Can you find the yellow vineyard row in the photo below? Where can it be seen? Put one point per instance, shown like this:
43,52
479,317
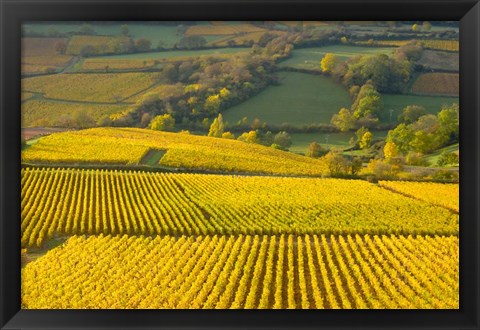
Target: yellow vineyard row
286,271
443,194
70,202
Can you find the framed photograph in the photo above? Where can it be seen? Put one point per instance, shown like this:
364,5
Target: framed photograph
242,164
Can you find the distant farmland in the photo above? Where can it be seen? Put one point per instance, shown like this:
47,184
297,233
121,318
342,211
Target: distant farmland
40,56
440,60
37,113
90,87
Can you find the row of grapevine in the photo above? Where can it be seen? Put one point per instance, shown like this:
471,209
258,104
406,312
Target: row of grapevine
285,271
435,44
442,194
69,202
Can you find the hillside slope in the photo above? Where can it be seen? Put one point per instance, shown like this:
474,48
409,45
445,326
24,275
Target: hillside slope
128,146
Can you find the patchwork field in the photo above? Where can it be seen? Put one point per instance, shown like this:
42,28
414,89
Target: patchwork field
311,271
37,113
309,58
300,99
437,83
54,201
159,33
100,44
90,87
123,146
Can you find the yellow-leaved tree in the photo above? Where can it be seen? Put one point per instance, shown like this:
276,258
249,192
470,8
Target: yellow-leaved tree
328,62
217,128
390,150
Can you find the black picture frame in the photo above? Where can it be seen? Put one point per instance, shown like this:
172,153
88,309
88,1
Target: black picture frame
14,12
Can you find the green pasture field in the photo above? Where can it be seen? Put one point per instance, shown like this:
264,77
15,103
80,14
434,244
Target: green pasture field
396,103
300,141
300,99
309,58
433,157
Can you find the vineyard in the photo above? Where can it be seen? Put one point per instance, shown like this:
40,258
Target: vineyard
285,271
26,96
435,44
54,61
90,87
163,91
442,194
127,146
392,43
121,211
437,83
35,69
223,29
93,202
450,45
117,64
41,113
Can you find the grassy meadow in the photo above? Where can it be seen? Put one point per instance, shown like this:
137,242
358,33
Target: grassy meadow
396,102
309,58
297,100
336,140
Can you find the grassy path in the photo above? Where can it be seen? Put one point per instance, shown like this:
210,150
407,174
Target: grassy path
152,157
